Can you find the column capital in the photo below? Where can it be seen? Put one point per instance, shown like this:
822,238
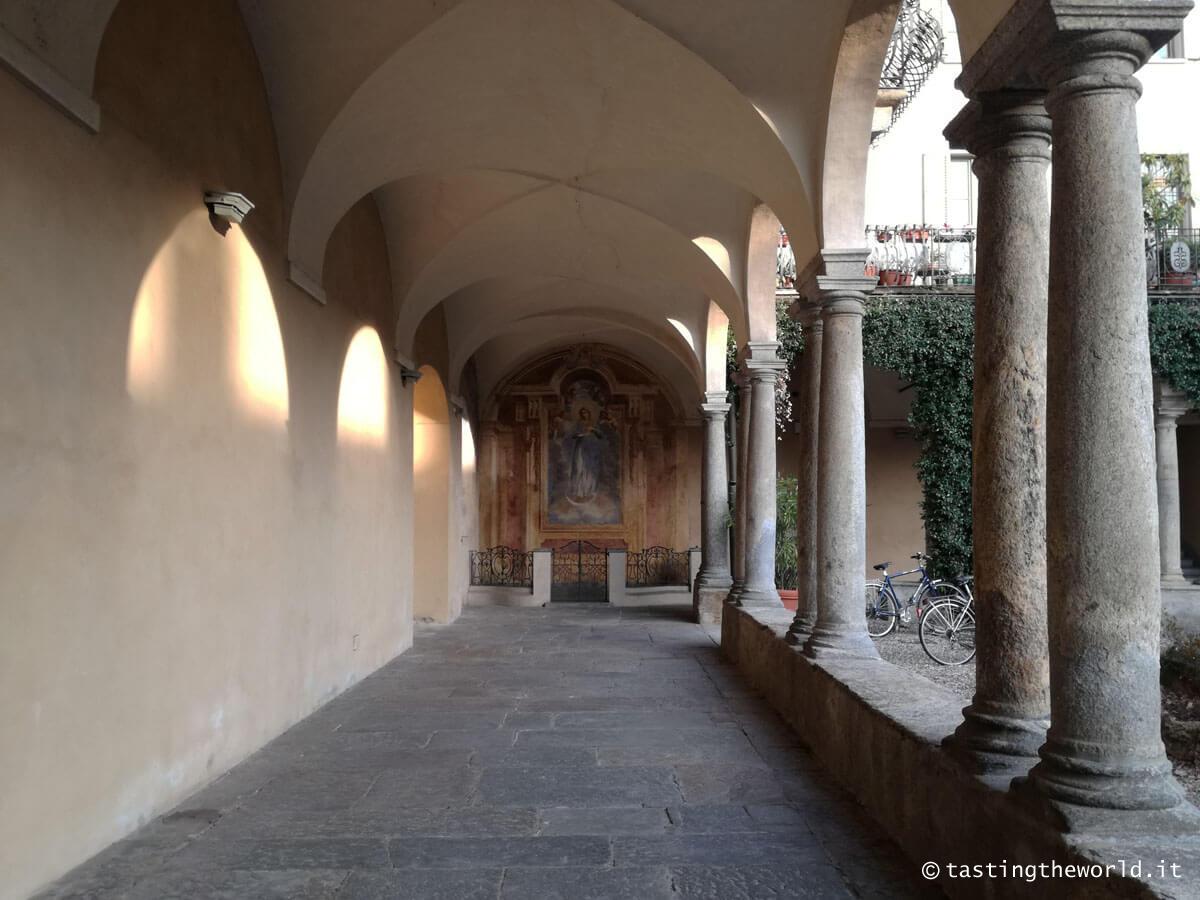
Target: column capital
1013,124
715,405
1036,35
762,360
1169,402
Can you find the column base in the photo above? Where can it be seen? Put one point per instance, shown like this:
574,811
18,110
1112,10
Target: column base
993,741
800,631
759,597
1067,774
841,643
708,600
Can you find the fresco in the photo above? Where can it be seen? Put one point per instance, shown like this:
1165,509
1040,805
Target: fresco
583,459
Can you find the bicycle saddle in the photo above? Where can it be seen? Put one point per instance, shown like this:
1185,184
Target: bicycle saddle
882,567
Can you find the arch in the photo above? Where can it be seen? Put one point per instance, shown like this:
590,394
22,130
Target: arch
760,275
562,233
848,135
716,344
684,115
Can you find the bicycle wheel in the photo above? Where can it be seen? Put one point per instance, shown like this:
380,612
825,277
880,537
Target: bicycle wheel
947,632
934,591
882,614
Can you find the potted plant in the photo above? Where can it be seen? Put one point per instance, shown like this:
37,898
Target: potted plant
786,557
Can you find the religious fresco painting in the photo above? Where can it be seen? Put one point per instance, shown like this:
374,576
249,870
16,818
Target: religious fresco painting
583,458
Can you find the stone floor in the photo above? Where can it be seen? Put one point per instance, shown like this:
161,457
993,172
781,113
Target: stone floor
574,751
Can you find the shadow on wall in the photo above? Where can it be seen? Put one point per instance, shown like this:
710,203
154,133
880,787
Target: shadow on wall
222,309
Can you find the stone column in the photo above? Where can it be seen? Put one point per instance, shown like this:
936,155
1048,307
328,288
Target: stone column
740,491
1169,405
1103,748
807,411
713,581
1009,133
841,628
764,366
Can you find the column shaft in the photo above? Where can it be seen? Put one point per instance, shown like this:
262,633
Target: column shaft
713,580
841,627
1103,747
807,414
739,509
1010,135
1169,406
760,588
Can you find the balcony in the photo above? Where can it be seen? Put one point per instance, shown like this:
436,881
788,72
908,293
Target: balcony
1172,259
922,256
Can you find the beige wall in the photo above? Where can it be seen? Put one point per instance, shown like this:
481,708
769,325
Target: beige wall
894,527
203,534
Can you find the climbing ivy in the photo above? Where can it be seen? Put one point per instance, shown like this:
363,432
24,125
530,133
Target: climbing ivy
1175,343
928,340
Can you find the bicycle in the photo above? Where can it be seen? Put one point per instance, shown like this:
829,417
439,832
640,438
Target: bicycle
947,629
885,610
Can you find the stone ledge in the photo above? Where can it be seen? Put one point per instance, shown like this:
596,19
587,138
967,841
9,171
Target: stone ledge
878,729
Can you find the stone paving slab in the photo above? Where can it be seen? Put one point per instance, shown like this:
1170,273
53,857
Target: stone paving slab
583,752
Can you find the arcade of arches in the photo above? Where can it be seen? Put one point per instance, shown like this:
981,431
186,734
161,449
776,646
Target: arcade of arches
483,297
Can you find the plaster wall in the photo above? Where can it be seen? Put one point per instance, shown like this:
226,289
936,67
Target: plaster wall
894,527
199,544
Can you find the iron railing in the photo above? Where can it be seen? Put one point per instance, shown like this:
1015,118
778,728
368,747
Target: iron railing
921,256
657,567
1172,258
501,567
913,53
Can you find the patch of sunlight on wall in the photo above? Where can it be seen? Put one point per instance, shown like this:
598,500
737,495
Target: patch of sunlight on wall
468,448
363,395
150,332
685,331
259,371
429,412
715,251
202,297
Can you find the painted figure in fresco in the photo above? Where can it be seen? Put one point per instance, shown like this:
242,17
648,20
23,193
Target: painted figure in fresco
586,441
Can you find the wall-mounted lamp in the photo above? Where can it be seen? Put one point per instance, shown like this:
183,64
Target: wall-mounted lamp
226,208
407,375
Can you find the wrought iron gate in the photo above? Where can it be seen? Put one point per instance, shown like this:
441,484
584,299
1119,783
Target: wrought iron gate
580,573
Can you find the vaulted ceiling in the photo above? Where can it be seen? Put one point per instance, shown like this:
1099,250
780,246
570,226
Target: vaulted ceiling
550,168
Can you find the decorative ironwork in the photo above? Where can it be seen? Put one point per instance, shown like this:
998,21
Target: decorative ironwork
501,567
657,567
579,573
1172,258
921,256
913,53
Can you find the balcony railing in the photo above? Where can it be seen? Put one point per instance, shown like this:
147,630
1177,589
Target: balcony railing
921,256
657,567
501,567
1172,258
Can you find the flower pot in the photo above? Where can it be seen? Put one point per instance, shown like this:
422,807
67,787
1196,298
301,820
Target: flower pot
789,598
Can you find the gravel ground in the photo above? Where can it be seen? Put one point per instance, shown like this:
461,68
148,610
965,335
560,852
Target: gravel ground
1181,704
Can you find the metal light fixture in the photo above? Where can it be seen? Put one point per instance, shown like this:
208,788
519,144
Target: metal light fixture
226,208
